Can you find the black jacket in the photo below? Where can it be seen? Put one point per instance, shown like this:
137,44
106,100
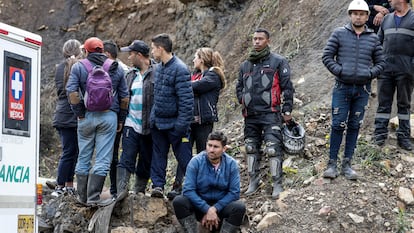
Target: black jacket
261,84
63,116
352,58
398,44
206,93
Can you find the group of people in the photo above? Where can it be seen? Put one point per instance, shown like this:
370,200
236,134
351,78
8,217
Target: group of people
356,54
158,104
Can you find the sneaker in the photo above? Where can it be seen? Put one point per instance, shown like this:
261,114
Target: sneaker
70,190
173,193
58,191
157,192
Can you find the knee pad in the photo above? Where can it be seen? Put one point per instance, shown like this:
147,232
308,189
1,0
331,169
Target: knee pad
271,149
251,147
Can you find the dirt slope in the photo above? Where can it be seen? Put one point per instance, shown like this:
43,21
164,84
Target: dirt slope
299,30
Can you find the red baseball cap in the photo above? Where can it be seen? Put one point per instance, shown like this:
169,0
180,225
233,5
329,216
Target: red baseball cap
93,44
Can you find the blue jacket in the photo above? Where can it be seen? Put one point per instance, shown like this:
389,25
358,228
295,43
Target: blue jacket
204,185
79,74
352,58
173,97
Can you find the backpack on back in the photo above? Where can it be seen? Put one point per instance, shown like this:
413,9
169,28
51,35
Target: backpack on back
98,94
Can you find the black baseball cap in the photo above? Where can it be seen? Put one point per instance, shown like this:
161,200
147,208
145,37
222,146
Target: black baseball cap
137,46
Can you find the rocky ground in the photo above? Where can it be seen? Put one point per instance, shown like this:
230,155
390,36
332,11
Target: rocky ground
380,201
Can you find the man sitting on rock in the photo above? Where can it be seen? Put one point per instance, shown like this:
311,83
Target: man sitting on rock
211,190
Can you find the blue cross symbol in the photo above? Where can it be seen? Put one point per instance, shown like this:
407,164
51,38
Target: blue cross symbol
17,85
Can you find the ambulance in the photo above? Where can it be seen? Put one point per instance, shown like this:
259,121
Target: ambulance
20,195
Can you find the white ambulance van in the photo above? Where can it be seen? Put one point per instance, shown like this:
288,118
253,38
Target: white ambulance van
20,129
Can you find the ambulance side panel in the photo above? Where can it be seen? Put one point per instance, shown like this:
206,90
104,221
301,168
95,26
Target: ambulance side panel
19,132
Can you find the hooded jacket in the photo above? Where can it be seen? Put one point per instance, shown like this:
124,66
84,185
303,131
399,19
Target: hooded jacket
353,59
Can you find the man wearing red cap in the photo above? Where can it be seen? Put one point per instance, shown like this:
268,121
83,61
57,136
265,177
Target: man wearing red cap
96,129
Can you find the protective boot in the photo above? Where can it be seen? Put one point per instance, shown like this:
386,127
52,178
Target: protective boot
189,224
347,170
95,185
403,135
253,170
226,227
331,170
140,185
277,172
122,181
82,187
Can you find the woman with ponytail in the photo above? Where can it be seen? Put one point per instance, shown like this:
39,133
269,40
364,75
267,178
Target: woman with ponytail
65,121
207,82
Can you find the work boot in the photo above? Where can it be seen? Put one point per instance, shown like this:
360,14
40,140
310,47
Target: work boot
82,187
347,170
277,172
140,185
175,191
331,170
95,185
189,224
253,170
122,181
226,227
405,144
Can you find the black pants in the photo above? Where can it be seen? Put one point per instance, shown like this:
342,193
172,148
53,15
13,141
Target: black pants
233,212
114,163
264,128
387,85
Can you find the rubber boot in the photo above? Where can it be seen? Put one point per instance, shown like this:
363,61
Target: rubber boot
140,185
226,227
189,224
277,172
331,170
347,170
253,170
95,185
82,187
122,181
405,144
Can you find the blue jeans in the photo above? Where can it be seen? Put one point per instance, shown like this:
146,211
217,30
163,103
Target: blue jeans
348,108
67,162
133,144
162,140
96,132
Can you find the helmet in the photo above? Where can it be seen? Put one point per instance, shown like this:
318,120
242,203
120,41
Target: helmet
293,138
358,5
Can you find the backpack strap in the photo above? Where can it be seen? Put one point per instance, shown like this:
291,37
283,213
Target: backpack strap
88,65
107,64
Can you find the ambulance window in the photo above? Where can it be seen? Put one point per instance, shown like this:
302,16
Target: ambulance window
16,94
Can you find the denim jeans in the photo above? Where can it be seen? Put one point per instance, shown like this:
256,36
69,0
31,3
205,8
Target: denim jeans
348,108
96,132
162,140
67,162
133,144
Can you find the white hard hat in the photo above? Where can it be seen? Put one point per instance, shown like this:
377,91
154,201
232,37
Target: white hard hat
358,5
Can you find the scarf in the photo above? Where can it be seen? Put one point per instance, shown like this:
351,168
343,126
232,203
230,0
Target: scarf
257,55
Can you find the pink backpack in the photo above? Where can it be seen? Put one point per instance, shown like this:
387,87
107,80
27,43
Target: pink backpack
98,94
